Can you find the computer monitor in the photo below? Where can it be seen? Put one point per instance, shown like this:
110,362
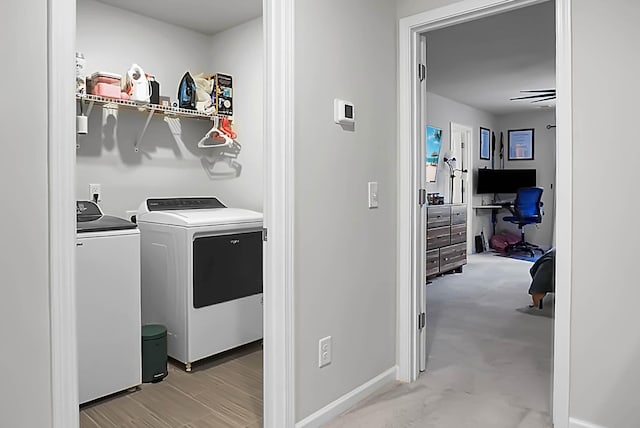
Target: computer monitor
504,180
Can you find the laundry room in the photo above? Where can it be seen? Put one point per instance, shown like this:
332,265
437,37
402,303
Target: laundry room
169,184
167,160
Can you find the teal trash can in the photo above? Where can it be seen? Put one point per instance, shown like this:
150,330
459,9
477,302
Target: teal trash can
154,353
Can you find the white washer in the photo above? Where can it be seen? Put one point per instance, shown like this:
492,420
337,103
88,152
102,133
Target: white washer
108,303
201,267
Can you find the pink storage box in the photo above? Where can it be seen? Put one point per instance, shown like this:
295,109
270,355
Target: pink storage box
108,90
104,84
105,77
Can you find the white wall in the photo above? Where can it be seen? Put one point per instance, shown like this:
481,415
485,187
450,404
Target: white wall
412,7
345,254
544,163
441,112
168,166
25,388
239,51
605,346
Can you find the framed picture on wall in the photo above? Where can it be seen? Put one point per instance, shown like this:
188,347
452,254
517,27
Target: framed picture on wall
433,142
520,144
485,143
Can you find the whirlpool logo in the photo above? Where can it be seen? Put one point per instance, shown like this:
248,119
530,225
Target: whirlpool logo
234,241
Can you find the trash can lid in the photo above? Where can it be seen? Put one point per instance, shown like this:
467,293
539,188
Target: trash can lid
153,331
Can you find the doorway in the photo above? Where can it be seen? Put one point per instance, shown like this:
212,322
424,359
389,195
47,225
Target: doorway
192,154
278,316
411,213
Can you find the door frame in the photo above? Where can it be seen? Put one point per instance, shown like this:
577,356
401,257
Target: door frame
278,19
408,213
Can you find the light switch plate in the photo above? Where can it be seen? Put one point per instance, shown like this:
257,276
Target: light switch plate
373,194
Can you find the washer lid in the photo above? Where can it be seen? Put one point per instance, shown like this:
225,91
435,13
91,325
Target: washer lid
204,217
193,211
89,218
103,224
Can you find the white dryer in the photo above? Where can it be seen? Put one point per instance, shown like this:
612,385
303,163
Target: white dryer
201,272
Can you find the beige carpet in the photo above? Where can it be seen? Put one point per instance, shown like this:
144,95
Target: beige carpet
489,364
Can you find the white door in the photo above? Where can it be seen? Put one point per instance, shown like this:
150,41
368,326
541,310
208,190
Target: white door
455,183
461,143
421,298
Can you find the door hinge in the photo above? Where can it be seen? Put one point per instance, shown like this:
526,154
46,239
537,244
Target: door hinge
264,234
422,72
422,196
422,320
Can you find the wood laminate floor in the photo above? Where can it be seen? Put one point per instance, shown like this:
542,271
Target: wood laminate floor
223,391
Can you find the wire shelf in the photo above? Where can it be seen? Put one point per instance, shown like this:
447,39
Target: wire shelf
154,108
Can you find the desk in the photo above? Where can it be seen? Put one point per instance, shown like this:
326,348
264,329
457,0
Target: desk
487,207
494,211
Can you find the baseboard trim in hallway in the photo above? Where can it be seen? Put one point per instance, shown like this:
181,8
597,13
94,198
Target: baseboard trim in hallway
578,423
347,401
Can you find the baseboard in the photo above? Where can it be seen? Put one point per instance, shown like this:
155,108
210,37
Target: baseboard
578,423
350,399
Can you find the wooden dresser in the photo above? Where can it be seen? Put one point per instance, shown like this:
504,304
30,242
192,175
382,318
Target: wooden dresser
446,238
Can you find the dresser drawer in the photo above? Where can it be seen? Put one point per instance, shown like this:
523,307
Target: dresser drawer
438,216
433,262
458,233
458,214
453,256
438,237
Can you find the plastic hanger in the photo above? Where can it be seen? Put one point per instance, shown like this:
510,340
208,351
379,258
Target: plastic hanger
228,142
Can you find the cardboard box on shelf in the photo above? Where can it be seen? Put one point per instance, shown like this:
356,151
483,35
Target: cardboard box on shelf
224,94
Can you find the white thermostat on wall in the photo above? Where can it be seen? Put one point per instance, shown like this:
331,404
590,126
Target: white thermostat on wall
343,112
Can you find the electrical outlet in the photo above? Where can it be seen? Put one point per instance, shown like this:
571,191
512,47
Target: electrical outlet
324,351
373,194
95,192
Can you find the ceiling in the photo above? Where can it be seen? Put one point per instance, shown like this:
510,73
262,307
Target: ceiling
204,16
486,62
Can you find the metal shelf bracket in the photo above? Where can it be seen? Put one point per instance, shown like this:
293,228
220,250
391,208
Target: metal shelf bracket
138,142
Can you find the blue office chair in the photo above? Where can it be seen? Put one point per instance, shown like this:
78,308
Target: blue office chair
526,209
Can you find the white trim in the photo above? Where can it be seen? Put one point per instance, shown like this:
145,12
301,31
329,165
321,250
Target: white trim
564,214
62,228
406,200
279,406
578,423
348,400
459,12
279,370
